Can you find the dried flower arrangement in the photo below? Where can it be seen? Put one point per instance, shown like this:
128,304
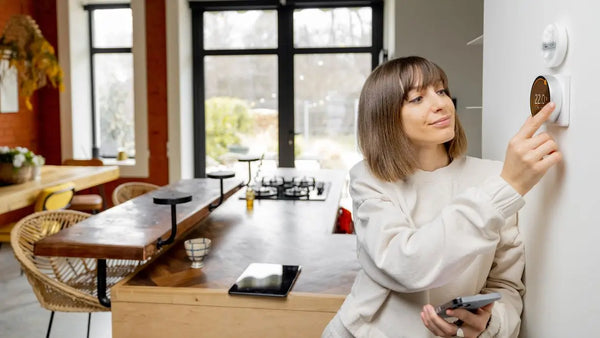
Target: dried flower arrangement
26,49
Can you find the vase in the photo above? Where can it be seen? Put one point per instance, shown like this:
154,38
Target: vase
12,175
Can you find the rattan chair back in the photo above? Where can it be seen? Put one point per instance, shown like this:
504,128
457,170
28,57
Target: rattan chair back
126,191
62,283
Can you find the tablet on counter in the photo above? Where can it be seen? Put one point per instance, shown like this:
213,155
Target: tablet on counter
265,279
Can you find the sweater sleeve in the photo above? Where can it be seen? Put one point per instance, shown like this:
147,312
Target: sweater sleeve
405,257
505,277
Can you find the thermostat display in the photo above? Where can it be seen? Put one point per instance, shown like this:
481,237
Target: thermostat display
546,88
540,94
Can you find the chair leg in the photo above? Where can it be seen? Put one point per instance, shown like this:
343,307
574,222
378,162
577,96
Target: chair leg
89,319
50,325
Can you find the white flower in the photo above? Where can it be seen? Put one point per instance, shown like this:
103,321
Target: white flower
18,160
4,149
38,160
22,150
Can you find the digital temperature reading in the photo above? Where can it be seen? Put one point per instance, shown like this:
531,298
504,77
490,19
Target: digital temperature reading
540,94
555,88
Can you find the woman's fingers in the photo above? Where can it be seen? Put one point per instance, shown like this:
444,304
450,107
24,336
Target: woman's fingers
533,123
545,149
436,324
539,139
473,322
526,155
550,160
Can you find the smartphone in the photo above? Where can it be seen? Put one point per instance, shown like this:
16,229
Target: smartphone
263,279
471,303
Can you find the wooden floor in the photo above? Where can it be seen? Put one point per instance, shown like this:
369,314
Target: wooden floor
22,316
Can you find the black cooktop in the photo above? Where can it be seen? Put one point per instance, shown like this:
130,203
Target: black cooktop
290,188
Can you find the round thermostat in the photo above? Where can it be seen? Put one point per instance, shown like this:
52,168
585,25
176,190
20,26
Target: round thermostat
545,88
554,45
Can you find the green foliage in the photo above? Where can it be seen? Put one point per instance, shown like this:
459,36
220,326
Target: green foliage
226,119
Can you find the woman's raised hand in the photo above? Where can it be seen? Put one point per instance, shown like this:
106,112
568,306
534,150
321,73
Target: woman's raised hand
529,156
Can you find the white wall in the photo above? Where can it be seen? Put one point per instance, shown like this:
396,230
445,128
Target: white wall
561,220
439,31
180,147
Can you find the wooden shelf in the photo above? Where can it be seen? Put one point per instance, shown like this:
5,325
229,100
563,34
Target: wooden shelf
477,41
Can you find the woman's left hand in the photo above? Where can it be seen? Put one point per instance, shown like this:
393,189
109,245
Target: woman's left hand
473,324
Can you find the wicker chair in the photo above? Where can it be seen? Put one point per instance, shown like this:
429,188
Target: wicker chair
126,191
62,283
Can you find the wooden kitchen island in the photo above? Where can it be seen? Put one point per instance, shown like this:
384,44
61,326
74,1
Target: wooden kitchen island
169,298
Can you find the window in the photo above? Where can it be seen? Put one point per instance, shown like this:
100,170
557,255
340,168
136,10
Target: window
79,134
111,64
282,81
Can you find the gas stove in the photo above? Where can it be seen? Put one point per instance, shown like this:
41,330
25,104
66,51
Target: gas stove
304,188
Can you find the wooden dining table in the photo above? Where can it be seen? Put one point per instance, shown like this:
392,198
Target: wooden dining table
16,196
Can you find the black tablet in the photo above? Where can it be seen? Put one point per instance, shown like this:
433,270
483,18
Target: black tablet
264,279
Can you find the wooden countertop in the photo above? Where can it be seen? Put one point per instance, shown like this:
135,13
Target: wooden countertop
18,196
131,230
276,231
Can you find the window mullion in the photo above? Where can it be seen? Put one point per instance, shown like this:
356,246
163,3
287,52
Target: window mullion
198,94
286,86
95,126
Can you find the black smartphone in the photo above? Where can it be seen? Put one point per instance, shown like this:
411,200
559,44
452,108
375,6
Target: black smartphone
471,303
265,279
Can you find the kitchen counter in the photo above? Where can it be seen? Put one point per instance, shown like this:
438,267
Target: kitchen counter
170,298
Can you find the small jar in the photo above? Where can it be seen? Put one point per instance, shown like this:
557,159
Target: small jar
249,198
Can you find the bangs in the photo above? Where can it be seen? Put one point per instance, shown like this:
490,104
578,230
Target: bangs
421,74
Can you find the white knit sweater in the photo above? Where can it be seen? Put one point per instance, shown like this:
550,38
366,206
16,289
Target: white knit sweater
432,237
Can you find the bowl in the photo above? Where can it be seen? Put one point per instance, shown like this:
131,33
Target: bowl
196,250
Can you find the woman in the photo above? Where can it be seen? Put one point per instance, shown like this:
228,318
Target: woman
431,223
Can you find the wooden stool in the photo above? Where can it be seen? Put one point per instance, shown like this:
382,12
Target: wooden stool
88,202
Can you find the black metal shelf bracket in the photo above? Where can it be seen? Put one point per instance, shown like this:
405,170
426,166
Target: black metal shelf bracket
249,159
221,175
171,198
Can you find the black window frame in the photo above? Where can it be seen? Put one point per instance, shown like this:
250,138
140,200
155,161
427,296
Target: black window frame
100,50
285,52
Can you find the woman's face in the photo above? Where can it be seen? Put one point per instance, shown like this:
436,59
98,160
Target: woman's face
428,116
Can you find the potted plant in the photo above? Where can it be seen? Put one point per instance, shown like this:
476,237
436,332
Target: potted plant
17,165
26,49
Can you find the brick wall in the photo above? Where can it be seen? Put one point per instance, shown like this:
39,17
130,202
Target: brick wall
39,130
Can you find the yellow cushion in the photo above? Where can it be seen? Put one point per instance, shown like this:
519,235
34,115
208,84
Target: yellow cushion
5,232
56,197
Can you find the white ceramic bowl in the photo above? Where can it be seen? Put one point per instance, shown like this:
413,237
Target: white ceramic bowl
196,249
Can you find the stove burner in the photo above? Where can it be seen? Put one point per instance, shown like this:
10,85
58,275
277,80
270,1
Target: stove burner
304,182
265,191
275,181
296,192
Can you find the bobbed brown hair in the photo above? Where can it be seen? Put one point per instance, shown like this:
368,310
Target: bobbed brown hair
388,152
